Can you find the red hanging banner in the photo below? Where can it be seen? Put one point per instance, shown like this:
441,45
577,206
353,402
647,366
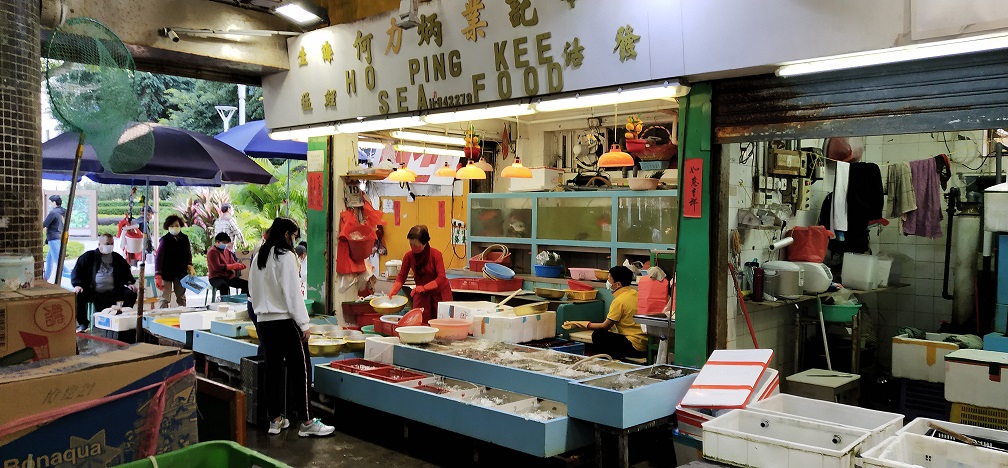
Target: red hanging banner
692,177
441,213
315,192
395,211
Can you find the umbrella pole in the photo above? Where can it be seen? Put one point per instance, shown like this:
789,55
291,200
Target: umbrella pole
288,189
142,283
65,237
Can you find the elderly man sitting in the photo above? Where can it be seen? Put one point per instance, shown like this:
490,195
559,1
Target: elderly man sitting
102,277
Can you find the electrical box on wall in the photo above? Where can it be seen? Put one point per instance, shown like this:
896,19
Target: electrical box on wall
786,162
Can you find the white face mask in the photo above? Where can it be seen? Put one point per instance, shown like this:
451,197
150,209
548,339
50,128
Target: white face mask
105,249
609,286
174,230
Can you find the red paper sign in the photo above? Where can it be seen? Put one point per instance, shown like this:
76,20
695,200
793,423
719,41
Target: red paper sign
315,197
693,187
395,211
441,213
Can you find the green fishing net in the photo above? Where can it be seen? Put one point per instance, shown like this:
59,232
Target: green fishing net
90,77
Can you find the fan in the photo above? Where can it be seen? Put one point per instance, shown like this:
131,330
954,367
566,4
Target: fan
90,81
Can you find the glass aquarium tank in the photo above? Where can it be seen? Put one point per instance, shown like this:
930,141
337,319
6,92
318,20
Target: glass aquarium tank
502,217
647,220
575,219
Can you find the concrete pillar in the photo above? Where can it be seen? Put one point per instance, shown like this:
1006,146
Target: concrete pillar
20,131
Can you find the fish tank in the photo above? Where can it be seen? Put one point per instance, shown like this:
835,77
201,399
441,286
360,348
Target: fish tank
647,220
575,219
501,217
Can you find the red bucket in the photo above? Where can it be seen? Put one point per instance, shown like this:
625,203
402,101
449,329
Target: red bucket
361,240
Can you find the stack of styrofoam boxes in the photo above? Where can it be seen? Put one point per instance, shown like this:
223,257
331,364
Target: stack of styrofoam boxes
921,366
976,383
919,444
471,310
510,328
730,379
199,320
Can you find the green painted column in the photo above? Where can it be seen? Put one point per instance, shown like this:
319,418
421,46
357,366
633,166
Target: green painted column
693,245
319,170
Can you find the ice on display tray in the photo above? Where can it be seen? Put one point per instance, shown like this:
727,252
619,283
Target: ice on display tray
630,398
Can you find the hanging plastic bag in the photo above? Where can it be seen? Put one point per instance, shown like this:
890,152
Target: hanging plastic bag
810,244
652,295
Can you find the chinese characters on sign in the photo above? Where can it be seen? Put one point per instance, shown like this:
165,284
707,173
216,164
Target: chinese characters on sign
302,57
330,98
430,28
305,101
394,38
693,185
626,43
327,52
363,46
518,13
573,54
315,197
475,27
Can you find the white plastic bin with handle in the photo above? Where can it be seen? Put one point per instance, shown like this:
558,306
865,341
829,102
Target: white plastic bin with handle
880,424
918,451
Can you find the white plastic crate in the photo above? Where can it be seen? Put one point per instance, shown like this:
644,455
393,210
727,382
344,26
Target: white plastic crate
977,377
108,320
921,426
879,423
917,359
380,348
918,451
760,440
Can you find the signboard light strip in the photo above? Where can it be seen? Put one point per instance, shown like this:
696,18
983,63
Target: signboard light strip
497,112
376,125
428,138
621,96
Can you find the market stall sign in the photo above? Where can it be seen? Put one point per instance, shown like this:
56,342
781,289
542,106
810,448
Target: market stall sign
471,52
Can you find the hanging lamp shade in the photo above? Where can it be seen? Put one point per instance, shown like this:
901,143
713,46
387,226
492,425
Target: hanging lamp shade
402,175
470,171
615,157
446,171
517,171
483,165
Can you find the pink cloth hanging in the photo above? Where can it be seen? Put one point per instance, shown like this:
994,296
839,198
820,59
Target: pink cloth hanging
925,221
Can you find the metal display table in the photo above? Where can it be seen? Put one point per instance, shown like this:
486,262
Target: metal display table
231,350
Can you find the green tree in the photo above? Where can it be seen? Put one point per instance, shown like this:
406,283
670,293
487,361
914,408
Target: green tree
271,200
194,109
151,92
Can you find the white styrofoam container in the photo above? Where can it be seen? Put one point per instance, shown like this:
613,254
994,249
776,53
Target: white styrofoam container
729,379
921,359
543,178
908,450
995,208
759,440
467,310
107,320
977,377
921,426
510,328
198,320
380,348
880,424
858,271
690,420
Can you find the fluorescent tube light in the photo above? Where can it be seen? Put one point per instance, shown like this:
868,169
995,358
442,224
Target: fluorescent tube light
479,114
667,91
303,12
428,150
382,124
896,54
302,134
428,138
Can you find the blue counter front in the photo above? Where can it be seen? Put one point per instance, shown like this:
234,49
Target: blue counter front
233,349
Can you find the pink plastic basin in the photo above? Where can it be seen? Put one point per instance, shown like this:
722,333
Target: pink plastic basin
450,328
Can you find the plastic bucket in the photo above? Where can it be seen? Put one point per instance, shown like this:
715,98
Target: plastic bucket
133,240
361,240
16,272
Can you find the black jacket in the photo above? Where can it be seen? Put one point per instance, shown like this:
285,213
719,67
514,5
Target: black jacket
174,255
53,223
86,269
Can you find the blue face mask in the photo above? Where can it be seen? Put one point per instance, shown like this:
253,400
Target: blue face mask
222,246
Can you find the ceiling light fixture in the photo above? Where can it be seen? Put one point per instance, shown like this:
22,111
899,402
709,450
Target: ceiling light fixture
428,138
483,165
668,90
381,124
516,170
402,175
429,150
895,54
470,172
479,114
303,12
303,134
615,157
446,171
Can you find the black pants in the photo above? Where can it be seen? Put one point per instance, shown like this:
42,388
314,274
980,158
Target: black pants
102,301
288,370
614,344
223,286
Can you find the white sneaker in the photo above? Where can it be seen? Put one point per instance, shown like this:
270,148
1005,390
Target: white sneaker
277,425
315,428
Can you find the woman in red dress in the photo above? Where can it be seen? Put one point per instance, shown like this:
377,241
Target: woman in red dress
428,272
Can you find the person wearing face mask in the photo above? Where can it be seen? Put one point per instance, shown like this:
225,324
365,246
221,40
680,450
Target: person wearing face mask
618,336
53,225
432,285
172,262
226,223
282,319
223,267
102,277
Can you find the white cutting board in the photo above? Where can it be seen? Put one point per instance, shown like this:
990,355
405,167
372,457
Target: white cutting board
727,379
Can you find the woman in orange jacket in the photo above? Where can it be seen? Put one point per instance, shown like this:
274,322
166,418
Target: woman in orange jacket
428,268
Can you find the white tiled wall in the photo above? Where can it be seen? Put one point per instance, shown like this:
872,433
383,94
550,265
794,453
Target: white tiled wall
920,305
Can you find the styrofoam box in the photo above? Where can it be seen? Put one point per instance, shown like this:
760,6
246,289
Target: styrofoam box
977,377
760,440
690,420
509,328
543,178
107,321
198,320
858,271
466,310
380,348
921,359
918,451
879,423
995,208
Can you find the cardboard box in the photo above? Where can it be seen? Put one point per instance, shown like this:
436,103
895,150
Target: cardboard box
37,323
94,410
